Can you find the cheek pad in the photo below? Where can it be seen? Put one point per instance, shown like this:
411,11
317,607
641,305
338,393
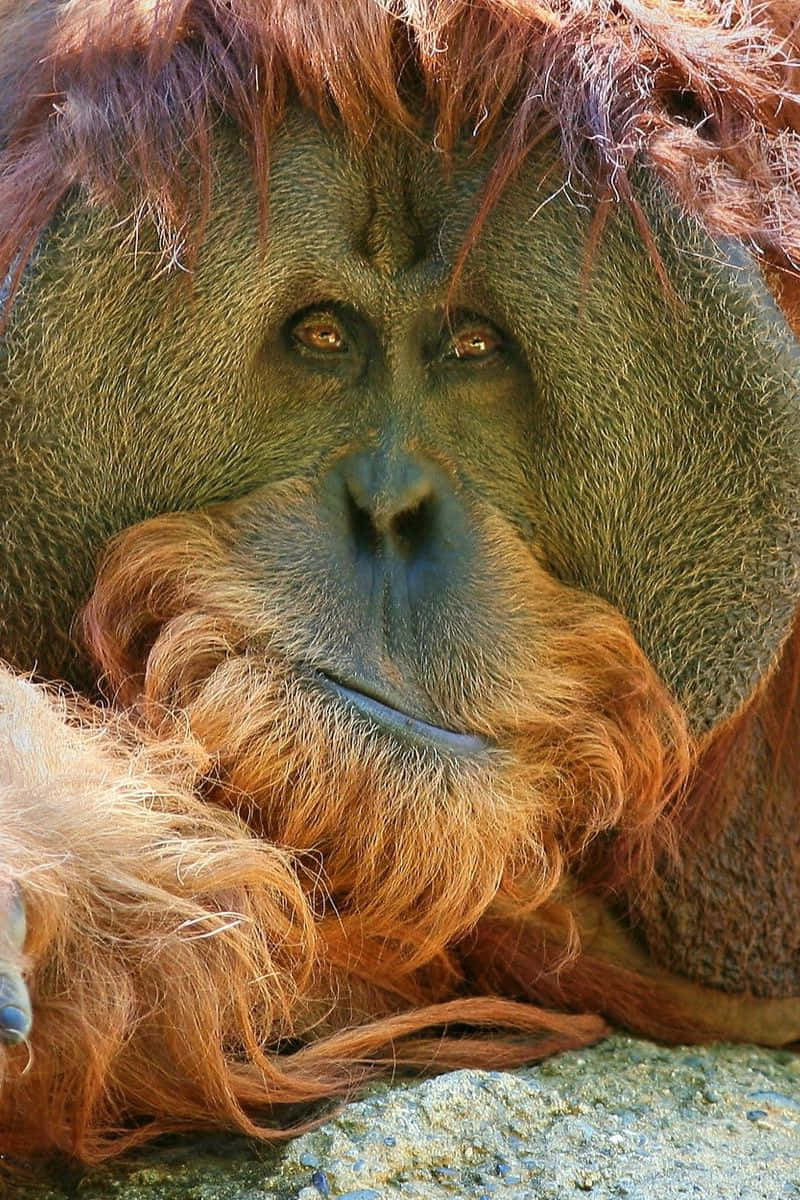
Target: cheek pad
664,453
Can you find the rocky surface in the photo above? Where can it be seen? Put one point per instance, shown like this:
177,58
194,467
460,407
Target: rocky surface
626,1119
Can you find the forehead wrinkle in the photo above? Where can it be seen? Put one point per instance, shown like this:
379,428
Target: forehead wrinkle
392,239
364,231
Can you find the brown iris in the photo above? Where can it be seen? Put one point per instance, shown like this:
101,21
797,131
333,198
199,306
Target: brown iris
321,333
475,342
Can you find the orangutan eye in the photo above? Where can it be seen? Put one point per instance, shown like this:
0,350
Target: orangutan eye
321,333
474,342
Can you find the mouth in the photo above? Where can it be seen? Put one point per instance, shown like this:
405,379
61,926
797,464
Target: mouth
403,725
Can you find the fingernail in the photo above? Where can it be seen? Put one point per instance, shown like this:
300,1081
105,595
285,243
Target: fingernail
15,1025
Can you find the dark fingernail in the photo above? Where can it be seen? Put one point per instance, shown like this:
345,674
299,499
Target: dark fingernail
14,1024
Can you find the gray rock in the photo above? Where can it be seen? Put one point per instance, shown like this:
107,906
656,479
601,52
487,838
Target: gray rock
626,1120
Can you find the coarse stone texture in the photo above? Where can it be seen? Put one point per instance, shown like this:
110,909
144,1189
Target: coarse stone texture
626,1119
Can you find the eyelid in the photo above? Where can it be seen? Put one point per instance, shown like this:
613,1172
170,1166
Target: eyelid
317,315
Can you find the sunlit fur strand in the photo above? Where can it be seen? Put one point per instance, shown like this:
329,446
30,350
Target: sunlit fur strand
128,879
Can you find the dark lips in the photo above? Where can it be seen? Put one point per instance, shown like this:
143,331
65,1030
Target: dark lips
411,730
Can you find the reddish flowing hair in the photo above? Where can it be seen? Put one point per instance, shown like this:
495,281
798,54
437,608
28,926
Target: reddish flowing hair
118,98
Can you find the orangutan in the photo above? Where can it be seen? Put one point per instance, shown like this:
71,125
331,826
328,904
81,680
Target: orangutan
401,457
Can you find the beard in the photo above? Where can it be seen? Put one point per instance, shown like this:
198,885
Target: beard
266,895
399,847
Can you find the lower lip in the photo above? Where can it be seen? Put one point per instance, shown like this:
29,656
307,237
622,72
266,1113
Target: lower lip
409,729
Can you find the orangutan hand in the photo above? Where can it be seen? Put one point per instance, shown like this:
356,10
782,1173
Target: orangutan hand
16,1017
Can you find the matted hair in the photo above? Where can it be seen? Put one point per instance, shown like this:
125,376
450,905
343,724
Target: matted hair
119,98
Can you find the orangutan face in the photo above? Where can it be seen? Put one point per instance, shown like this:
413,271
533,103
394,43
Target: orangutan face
621,442
459,548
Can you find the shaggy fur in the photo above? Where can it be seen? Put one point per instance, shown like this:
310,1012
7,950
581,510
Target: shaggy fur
119,98
192,950
236,902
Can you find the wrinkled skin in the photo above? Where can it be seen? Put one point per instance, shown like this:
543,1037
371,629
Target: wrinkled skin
644,446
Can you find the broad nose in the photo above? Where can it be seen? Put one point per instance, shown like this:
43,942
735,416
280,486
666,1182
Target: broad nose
401,543
391,502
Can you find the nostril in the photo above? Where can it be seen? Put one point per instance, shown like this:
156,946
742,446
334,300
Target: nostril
363,530
411,527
